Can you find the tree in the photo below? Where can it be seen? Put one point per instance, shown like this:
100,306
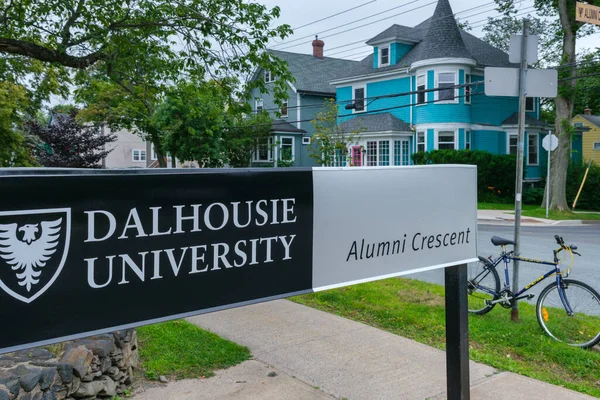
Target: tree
68,143
247,135
565,31
330,143
15,150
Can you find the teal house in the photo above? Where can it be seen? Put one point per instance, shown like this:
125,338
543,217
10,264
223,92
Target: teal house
409,96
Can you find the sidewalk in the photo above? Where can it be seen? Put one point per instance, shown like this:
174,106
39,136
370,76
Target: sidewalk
507,217
306,354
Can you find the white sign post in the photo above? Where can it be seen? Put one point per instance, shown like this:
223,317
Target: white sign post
550,143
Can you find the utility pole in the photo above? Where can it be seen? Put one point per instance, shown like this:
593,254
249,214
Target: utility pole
514,314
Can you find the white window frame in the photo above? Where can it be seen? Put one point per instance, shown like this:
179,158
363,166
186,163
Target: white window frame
437,137
269,76
280,147
469,88
578,124
417,88
139,153
437,86
424,133
389,54
306,140
255,156
354,89
286,102
508,136
256,104
596,146
468,139
537,149
533,102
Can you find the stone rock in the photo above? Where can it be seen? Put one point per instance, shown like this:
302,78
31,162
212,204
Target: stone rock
6,363
134,360
48,378
74,386
101,346
10,382
272,374
102,387
51,395
80,358
91,376
110,387
105,364
65,371
4,393
28,377
112,371
163,379
32,354
36,394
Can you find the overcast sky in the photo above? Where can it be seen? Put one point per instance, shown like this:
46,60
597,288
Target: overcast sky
411,12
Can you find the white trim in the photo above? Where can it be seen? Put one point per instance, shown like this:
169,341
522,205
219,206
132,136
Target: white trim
436,138
508,135
271,76
262,105
269,152
478,127
306,140
368,77
468,87
441,61
298,112
391,39
594,146
280,146
424,132
436,74
537,149
287,109
416,103
445,126
470,141
292,86
354,88
534,107
380,64
133,151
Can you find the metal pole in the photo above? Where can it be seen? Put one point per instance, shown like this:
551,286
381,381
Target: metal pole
582,183
514,315
457,333
548,179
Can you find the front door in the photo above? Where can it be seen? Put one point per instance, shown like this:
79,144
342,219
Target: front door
401,152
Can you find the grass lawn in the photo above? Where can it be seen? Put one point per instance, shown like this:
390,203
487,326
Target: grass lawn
415,310
182,350
559,215
502,206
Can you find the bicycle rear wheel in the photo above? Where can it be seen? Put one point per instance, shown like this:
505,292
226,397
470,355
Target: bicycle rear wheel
582,328
483,279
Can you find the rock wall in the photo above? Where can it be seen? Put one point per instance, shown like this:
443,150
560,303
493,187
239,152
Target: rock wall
93,368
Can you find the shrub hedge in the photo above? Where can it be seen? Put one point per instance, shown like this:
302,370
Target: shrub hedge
495,172
589,199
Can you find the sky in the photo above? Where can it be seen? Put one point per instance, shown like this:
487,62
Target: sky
411,12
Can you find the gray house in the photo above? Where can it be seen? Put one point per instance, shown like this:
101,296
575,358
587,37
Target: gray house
306,97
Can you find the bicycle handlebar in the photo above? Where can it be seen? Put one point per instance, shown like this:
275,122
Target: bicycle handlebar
559,240
561,243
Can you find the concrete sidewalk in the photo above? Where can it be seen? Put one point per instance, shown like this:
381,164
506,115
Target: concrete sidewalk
316,355
507,217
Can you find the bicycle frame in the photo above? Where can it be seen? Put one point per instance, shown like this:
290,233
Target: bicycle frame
507,256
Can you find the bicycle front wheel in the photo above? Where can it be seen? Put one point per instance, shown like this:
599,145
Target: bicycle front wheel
483,286
582,327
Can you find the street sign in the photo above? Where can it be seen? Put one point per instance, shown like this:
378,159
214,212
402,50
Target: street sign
514,51
505,82
587,13
550,142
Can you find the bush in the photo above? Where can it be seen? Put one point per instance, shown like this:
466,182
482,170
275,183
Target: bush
534,196
589,199
495,172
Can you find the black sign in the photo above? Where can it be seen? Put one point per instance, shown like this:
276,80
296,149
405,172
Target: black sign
80,254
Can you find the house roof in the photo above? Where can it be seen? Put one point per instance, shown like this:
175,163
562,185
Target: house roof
280,125
594,119
383,122
313,74
529,121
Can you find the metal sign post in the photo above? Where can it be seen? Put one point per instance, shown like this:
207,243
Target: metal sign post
550,143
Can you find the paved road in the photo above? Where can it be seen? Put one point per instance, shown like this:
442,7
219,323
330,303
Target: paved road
538,242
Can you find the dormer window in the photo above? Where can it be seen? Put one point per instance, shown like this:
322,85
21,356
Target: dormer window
384,56
269,77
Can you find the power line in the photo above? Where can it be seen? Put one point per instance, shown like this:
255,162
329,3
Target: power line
333,15
580,76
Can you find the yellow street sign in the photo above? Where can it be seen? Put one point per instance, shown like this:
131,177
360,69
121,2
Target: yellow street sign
587,13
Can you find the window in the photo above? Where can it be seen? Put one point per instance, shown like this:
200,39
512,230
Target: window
263,152
384,56
529,104
532,149
420,141
467,89
371,154
138,155
359,99
384,152
284,109
269,77
596,146
446,80
286,149
258,105
340,158
357,156
512,144
401,152
306,140
446,140
421,83
578,124
467,140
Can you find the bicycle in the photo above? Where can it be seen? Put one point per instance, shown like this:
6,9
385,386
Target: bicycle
568,310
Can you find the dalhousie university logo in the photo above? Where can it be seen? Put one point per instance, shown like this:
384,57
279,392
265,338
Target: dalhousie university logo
33,250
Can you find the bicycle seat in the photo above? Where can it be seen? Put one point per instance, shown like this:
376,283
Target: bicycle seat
498,241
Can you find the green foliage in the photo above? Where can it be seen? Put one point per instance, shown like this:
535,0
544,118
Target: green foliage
329,145
15,149
588,88
242,139
495,172
183,350
533,196
589,199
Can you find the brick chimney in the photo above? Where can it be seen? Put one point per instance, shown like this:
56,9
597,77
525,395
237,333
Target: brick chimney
318,47
587,111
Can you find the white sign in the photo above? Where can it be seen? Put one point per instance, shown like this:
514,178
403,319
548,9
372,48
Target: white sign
550,142
373,223
505,82
514,52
